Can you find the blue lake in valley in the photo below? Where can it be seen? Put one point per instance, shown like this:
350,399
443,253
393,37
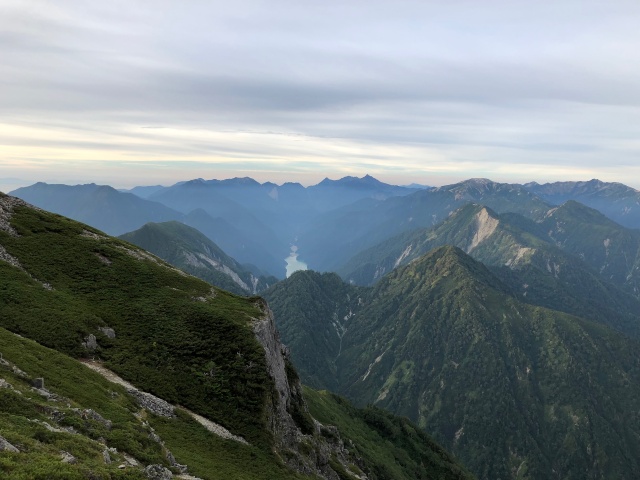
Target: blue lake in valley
293,263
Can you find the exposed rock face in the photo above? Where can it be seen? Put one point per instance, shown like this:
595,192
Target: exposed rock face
92,414
158,472
7,204
5,446
281,422
287,433
108,331
485,226
152,403
90,342
68,458
10,259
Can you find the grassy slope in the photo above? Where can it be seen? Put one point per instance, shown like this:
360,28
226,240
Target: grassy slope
394,447
208,456
167,338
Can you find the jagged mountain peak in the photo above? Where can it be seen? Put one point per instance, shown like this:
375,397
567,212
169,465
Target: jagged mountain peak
193,181
479,181
479,185
582,187
447,267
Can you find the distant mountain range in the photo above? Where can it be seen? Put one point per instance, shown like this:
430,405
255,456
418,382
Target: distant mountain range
574,260
615,200
329,222
100,206
254,223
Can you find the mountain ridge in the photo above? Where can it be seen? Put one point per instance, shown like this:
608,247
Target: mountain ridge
191,251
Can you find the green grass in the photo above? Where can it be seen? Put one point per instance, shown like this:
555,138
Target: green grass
207,455
213,458
78,388
392,447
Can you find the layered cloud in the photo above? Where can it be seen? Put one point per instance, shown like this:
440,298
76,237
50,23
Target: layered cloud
433,91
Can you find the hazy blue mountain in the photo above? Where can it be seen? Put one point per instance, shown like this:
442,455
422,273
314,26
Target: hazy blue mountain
515,390
339,235
100,206
289,197
204,195
191,251
144,191
615,200
277,215
245,248
331,194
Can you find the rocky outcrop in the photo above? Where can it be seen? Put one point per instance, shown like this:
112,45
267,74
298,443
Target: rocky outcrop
301,441
5,446
90,342
66,457
10,259
7,205
108,331
152,403
281,423
158,472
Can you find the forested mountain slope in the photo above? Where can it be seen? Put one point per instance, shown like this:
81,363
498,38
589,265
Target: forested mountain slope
555,262
515,390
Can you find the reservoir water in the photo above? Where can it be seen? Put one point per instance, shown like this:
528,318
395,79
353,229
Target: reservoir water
293,264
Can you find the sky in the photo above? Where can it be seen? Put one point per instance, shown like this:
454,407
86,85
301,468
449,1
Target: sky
154,92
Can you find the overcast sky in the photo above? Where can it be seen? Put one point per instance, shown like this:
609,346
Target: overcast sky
145,92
